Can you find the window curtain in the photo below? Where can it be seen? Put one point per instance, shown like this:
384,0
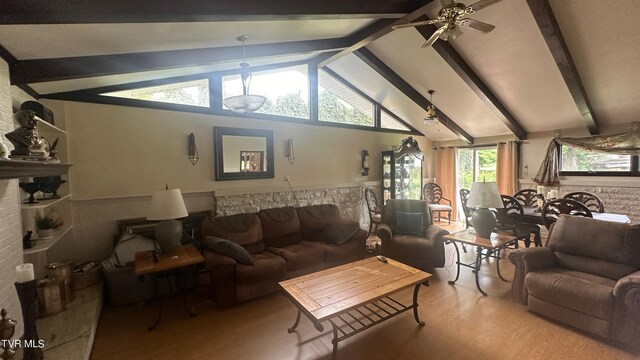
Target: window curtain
624,144
445,174
506,168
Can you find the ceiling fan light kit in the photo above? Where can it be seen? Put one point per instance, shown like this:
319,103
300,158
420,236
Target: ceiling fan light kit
245,103
453,16
432,117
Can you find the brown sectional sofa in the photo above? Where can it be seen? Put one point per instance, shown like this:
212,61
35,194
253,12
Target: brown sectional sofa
588,276
283,242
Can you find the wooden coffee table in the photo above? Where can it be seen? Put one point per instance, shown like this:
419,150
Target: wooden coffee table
167,265
355,296
485,248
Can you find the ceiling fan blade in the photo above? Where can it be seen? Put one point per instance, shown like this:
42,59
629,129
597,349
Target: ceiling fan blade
419,23
475,7
477,25
434,37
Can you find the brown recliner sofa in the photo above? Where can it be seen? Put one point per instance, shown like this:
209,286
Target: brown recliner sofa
283,242
424,250
588,276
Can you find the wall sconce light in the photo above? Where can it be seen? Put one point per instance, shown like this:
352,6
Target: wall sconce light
193,150
364,163
289,152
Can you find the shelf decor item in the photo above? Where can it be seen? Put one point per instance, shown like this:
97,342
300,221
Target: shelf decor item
49,185
30,188
46,224
7,329
28,297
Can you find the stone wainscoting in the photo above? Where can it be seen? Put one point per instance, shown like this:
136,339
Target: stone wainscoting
621,197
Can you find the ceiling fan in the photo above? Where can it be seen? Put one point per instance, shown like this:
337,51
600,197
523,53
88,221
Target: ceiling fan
454,16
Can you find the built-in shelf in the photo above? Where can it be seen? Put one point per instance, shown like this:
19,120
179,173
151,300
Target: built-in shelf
46,126
46,244
11,169
44,203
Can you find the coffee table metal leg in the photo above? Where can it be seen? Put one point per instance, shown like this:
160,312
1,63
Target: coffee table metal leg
295,324
457,263
334,341
477,270
159,299
415,305
498,265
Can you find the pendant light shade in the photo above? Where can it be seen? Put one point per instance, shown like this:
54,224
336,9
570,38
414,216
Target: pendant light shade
431,118
245,103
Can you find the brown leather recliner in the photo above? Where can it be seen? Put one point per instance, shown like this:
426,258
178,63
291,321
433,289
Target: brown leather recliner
423,251
587,277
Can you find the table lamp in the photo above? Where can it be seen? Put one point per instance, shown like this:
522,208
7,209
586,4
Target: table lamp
483,196
167,205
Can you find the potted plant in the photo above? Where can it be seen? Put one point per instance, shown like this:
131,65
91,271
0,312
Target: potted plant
46,224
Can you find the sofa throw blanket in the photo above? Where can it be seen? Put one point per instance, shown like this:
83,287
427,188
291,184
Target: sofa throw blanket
338,233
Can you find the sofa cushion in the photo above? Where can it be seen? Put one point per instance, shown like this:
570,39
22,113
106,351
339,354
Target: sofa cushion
242,229
268,267
301,255
351,250
598,239
607,269
315,218
338,232
575,290
410,223
230,249
411,206
280,226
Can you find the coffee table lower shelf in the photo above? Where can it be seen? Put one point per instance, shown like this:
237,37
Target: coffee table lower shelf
365,317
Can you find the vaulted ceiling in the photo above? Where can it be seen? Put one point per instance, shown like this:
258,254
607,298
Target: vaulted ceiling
549,64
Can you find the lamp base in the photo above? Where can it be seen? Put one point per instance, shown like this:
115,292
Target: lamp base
484,221
168,235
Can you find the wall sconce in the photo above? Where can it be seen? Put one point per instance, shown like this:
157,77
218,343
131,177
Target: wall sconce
364,163
193,150
289,152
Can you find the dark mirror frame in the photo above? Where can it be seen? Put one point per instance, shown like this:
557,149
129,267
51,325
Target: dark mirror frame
220,175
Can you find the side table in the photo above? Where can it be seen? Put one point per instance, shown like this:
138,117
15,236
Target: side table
166,265
492,248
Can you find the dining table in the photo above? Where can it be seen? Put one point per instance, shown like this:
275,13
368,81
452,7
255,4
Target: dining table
533,215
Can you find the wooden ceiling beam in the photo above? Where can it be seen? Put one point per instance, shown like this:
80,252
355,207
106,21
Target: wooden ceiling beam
147,11
43,70
409,91
543,14
457,63
377,30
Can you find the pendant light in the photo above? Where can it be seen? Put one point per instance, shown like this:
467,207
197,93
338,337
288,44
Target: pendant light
245,103
431,118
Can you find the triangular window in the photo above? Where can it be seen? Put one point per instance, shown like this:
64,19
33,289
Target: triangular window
193,93
388,121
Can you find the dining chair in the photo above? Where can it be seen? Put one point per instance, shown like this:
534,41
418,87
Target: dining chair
509,219
528,197
554,208
468,212
591,201
374,208
432,194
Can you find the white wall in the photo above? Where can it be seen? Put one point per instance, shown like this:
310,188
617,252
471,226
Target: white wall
120,155
10,222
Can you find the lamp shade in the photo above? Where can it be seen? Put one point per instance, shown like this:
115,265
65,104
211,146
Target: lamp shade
167,204
244,104
485,195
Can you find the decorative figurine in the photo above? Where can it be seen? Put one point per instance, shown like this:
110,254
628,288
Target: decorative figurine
26,240
26,142
30,188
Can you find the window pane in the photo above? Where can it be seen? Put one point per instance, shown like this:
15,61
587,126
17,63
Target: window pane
194,93
389,122
464,168
286,90
486,160
337,103
576,159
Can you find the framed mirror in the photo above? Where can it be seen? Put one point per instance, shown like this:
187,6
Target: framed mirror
242,153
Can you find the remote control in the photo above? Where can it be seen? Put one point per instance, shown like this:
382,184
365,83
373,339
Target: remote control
382,258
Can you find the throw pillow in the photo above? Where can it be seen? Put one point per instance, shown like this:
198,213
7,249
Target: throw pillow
338,233
408,223
230,249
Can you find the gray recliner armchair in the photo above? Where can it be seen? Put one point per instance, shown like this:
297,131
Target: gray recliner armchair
587,277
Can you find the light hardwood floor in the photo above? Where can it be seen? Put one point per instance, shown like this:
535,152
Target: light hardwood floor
460,324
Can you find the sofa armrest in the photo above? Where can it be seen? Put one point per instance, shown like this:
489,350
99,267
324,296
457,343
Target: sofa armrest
527,260
223,276
384,233
626,312
436,233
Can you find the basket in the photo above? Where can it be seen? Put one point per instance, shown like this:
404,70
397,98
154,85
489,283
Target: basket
85,279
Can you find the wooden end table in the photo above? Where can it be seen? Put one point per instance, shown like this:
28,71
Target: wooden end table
167,265
485,248
355,296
